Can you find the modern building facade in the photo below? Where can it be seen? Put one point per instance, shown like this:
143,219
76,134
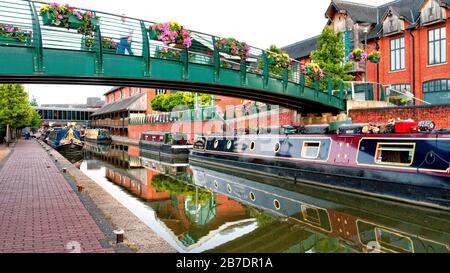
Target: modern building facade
57,116
412,36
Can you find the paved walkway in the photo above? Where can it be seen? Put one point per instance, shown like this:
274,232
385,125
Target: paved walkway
39,211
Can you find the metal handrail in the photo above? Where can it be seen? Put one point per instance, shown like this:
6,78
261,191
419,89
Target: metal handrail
60,38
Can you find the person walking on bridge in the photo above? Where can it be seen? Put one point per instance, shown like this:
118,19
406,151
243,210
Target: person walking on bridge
126,38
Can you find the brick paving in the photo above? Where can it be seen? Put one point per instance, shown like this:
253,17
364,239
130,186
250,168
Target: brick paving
39,211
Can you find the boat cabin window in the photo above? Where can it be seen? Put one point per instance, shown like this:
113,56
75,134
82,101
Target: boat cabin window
395,153
393,241
311,149
310,214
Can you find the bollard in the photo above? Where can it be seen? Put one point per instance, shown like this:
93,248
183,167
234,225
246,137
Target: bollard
56,160
64,170
119,236
80,188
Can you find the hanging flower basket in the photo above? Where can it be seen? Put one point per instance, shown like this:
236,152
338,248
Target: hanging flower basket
233,47
312,71
10,34
357,55
170,33
375,56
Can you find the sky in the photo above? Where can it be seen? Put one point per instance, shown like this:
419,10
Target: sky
259,23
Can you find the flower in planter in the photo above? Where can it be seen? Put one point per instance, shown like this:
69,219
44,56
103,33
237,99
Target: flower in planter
233,47
357,55
169,53
312,71
15,33
375,56
171,33
109,43
66,16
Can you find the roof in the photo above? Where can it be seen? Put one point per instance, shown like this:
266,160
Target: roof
301,49
112,90
358,12
137,102
408,10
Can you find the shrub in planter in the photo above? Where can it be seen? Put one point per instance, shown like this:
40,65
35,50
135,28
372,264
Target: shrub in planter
312,71
357,55
375,56
12,34
171,33
233,47
277,59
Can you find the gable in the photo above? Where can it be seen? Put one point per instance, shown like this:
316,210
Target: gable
431,12
392,24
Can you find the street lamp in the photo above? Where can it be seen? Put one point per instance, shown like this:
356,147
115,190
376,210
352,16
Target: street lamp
365,30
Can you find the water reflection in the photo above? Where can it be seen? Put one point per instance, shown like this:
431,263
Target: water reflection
198,208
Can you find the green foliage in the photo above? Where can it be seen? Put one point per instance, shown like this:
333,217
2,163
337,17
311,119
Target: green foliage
262,218
277,60
329,55
167,102
35,118
33,102
15,110
163,183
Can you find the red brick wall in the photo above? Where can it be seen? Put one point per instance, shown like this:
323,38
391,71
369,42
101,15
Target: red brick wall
207,127
423,71
439,114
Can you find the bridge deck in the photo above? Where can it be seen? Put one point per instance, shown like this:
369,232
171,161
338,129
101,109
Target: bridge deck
58,55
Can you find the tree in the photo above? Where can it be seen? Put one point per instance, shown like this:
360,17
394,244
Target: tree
157,102
35,118
329,55
33,102
167,102
15,109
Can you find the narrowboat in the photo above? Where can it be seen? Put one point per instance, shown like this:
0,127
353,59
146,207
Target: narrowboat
410,166
65,140
163,146
378,226
97,135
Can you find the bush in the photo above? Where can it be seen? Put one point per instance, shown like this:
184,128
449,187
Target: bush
167,102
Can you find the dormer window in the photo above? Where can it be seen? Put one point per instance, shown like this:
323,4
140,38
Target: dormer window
392,24
431,12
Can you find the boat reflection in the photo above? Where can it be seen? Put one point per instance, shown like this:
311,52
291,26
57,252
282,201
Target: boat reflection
330,221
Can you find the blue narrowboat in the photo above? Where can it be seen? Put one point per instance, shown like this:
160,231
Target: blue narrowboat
66,140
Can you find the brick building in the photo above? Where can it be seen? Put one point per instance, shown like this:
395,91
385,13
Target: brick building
412,36
124,103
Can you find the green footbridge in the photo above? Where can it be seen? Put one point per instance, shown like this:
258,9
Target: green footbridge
37,51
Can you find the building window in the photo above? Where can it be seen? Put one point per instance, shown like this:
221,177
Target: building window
401,87
398,54
160,91
437,46
437,91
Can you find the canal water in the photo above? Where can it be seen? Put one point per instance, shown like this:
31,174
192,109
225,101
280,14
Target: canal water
203,209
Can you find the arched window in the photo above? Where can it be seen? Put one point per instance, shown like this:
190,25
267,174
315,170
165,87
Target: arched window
437,91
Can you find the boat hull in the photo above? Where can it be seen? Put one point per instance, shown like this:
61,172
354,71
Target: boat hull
163,151
405,186
99,141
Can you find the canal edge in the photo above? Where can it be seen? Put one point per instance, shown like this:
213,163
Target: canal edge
110,214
